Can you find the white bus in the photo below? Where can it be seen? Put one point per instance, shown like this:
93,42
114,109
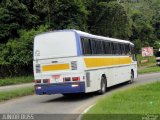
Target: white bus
72,61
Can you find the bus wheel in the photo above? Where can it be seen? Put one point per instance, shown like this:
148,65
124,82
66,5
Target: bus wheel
132,77
103,86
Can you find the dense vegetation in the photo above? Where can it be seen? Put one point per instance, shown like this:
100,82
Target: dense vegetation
21,20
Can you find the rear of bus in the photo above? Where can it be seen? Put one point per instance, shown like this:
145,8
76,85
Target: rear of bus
57,66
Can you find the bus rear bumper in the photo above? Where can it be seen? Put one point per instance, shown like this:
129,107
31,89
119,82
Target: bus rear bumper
60,88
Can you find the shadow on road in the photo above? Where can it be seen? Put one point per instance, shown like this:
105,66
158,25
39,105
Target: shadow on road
73,97
84,96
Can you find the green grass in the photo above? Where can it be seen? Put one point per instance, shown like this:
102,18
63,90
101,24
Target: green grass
16,80
139,100
151,60
7,95
150,69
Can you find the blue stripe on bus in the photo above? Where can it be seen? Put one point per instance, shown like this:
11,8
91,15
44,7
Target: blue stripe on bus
61,88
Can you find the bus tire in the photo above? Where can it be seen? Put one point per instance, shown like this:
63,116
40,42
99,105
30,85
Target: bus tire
103,86
132,77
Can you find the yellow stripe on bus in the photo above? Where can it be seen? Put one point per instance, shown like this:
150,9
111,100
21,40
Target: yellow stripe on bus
55,67
102,62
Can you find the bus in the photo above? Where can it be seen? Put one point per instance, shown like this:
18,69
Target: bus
71,61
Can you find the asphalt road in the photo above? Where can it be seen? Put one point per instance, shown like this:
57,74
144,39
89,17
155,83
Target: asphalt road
58,104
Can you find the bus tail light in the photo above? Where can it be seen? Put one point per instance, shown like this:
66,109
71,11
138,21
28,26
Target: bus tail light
37,81
46,80
66,79
75,78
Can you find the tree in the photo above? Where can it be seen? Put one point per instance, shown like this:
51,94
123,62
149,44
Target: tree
156,18
14,16
145,21
63,14
142,29
19,51
17,55
111,20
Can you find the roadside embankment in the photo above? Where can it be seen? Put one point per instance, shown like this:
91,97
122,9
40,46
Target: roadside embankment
137,101
16,80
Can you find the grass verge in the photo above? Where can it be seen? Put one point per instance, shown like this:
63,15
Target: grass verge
136,101
151,60
150,69
16,80
7,95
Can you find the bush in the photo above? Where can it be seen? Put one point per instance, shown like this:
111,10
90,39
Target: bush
15,70
17,55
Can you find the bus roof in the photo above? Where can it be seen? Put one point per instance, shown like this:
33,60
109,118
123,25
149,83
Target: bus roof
101,37
85,34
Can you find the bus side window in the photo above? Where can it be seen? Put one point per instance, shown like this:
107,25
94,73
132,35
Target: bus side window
97,47
106,47
93,47
111,47
114,48
127,49
119,48
122,49
86,47
133,53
